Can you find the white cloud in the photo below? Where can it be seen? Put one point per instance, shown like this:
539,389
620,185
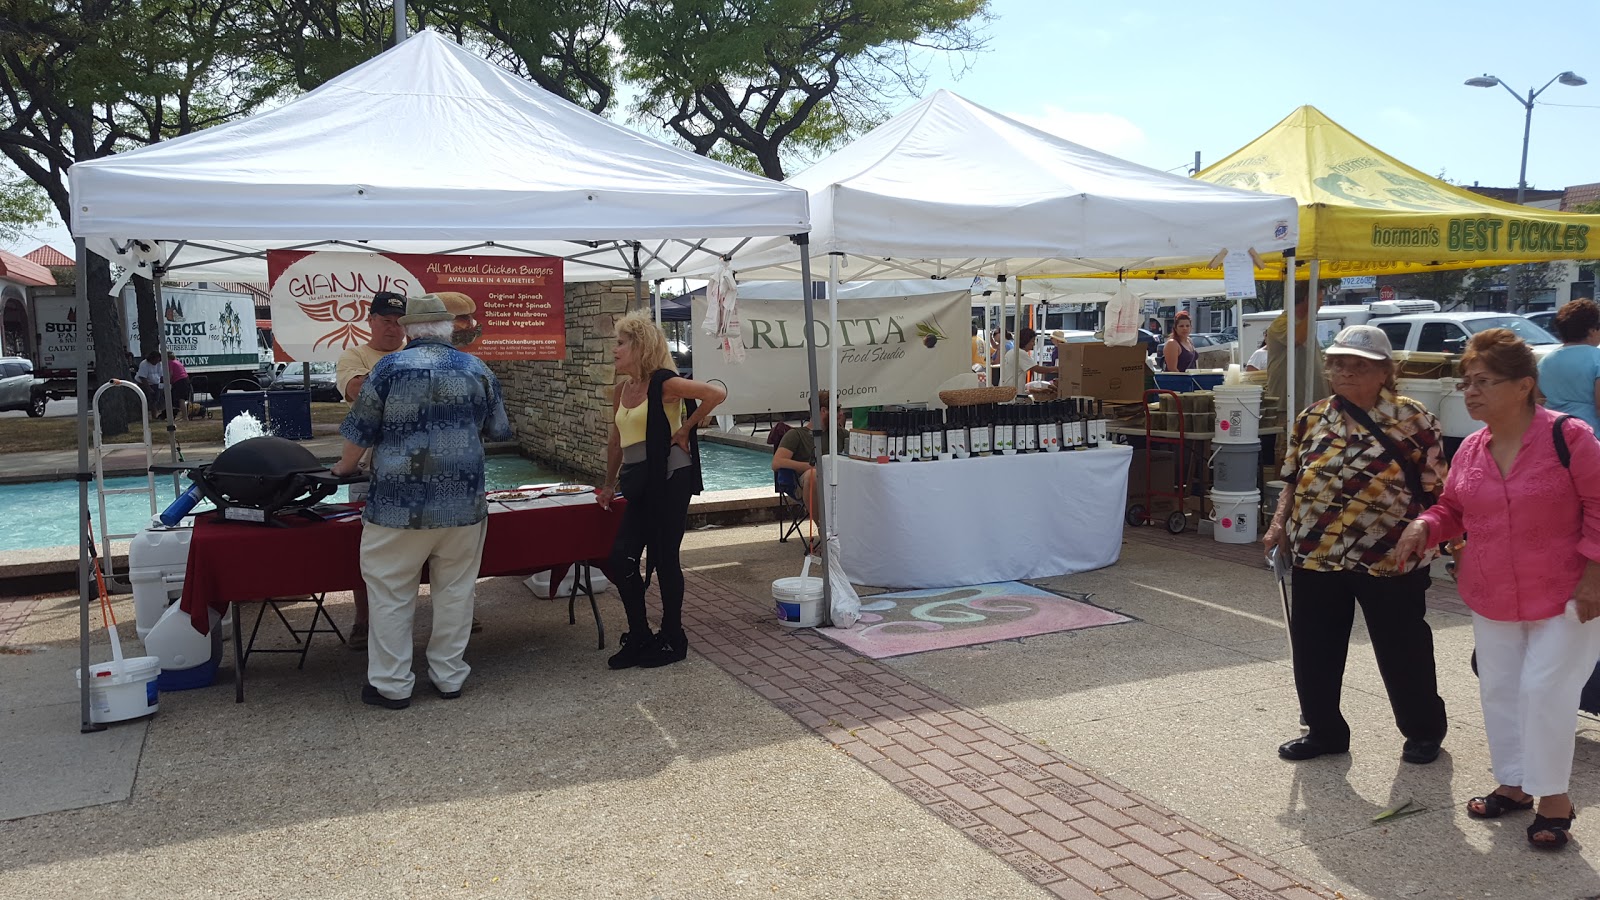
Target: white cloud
1106,132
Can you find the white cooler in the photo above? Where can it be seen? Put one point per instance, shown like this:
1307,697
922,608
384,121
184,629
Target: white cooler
157,558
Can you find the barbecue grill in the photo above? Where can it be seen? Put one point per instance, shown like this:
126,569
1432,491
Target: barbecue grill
261,478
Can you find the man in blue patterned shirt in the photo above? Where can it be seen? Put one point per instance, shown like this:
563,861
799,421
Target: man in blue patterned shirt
425,412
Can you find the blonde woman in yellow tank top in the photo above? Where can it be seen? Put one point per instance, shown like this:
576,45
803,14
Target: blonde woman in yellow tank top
657,474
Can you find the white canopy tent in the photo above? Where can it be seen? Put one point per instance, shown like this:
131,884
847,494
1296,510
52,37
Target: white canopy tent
949,189
425,148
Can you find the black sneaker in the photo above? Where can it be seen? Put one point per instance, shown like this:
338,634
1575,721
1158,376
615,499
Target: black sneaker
448,695
371,697
635,648
670,647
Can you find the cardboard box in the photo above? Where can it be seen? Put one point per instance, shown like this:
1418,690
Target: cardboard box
1107,373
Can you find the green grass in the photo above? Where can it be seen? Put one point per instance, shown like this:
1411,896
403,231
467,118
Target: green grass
20,434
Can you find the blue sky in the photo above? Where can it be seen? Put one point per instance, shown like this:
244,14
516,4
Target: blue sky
1155,81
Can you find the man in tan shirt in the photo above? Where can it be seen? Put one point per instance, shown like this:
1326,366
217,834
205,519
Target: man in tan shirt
388,336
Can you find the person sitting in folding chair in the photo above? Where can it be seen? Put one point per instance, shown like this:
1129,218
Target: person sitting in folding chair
797,454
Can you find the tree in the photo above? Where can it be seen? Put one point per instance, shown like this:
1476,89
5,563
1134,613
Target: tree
23,207
745,82
81,79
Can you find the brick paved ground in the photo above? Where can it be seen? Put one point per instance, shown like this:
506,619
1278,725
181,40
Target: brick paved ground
1071,831
13,612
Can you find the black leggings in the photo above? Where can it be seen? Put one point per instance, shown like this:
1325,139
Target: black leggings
654,520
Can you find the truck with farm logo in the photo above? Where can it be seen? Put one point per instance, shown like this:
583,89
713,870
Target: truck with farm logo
213,332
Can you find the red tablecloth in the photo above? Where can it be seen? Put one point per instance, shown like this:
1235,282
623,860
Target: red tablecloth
242,562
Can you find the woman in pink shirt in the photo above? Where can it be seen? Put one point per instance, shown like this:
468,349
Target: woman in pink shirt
1528,572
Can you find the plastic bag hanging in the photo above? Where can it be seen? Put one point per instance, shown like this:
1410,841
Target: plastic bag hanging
722,313
1122,318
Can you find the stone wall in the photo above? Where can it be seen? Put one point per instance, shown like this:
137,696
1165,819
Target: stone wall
561,410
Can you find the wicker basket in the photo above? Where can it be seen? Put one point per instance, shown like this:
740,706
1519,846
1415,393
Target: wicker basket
978,396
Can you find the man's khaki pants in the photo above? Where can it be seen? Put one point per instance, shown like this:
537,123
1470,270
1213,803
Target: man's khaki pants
391,566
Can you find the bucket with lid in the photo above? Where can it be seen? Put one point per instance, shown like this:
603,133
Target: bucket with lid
1234,467
123,688
1454,420
798,601
1237,516
1238,413
1427,391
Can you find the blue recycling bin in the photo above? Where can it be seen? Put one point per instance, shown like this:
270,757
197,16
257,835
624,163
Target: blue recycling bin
236,402
289,415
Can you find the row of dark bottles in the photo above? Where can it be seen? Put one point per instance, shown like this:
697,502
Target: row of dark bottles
918,435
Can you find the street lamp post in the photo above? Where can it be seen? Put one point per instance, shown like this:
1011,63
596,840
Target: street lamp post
1569,79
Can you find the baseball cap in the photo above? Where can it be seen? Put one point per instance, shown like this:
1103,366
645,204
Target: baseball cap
1366,341
388,303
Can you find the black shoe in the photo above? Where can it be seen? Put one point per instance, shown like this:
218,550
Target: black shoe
636,647
670,647
1420,752
1304,748
448,695
371,697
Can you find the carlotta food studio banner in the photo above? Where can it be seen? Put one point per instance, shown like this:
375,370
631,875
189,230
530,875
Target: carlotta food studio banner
320,300
893,347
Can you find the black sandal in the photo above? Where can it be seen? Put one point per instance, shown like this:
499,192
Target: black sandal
1497,805
1557,827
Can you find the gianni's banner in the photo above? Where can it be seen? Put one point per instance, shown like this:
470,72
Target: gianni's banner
898,342
507,307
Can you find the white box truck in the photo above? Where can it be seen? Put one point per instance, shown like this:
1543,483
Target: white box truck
213,332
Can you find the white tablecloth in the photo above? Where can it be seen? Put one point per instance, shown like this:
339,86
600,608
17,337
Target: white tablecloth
977,521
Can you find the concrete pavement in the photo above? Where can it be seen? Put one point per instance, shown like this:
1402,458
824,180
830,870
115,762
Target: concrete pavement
1133,760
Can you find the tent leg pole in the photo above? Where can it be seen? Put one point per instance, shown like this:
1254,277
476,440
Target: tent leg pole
1291,407
156,275
1313,303
819,478
828,486
655,300
85,724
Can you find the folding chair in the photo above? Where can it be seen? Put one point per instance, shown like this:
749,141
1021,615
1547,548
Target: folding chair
791,511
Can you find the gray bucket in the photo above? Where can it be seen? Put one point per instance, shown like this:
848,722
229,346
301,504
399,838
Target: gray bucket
1234,467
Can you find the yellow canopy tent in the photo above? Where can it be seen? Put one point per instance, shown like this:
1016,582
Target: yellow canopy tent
1363,212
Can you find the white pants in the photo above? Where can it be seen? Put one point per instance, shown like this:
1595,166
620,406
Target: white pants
1529,677
391,565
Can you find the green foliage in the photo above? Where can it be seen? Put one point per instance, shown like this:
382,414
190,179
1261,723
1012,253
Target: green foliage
23,206
746,81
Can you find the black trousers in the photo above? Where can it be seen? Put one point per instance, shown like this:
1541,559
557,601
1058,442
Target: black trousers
655,520
1323,610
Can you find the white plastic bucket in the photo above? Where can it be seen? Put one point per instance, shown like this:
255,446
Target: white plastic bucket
1454,420
125,690
1234,467
1237,516
798,601
1238,413
1427,391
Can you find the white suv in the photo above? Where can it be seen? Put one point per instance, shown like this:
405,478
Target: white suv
1450,332
19,389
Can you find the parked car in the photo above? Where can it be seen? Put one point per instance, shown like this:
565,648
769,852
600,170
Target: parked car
1545,320
1449,332
19,389
324,385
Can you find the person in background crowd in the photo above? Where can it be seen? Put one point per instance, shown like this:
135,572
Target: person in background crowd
1278,358
1361,465
350,373
182,387
1020,360
1258,359
977,347
424,412
653,457
1179,354
149,377
467,330
1530,573
1570,377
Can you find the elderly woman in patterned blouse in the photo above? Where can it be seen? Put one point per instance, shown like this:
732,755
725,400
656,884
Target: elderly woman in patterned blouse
1360,466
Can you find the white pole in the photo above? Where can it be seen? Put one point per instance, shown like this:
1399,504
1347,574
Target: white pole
1314,299
1017,376
1290,409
